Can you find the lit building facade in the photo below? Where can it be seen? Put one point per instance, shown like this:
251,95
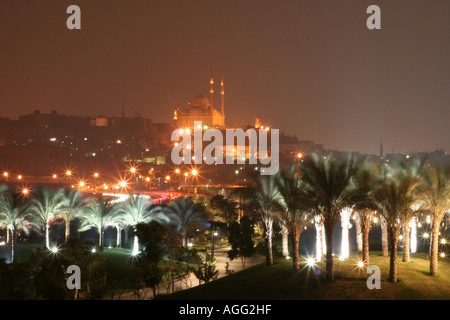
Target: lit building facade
200,108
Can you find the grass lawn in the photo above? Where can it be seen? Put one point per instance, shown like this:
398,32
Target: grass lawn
280,282
115,267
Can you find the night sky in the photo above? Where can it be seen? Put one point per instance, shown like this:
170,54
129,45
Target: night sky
309,68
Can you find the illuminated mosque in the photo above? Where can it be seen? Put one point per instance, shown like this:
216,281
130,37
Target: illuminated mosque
200,108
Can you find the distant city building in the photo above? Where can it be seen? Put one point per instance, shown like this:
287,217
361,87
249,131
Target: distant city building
58,139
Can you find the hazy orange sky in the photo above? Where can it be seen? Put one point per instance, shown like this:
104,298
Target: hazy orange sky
309,68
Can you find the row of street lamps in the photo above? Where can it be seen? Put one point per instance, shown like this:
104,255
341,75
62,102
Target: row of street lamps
121,184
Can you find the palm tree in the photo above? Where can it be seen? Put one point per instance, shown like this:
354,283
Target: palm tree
345,225
436,197
186,215
99,214
296,212
363,185
359,234
119,227
75,203
384,237
366,217
263,198
327,180
13,216
3,190
395,198
136,209
45,206
320,237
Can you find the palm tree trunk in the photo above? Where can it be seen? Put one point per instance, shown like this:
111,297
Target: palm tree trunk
434,248
7,235
268,239
365,251
284,241
100,237
319,231
329,263
407,229
394,233
47,236
119,236
295,248
345,222
384,237
414,235
135,245
359,234
345,252
13,246
67,231
324,241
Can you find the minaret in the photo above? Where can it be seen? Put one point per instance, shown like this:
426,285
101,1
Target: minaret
222,100
211,92
381,150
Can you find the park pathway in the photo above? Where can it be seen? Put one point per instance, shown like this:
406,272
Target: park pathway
221,260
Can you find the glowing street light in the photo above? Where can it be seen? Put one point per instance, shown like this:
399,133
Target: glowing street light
310,262
123,183
194,173
133,171
25,191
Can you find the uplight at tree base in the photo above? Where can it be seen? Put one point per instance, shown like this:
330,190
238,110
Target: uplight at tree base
310,262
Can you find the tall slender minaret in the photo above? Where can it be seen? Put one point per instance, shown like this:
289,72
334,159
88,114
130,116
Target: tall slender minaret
222,100
381,150
211,92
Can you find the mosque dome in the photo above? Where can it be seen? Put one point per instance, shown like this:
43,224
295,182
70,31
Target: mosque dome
199,102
